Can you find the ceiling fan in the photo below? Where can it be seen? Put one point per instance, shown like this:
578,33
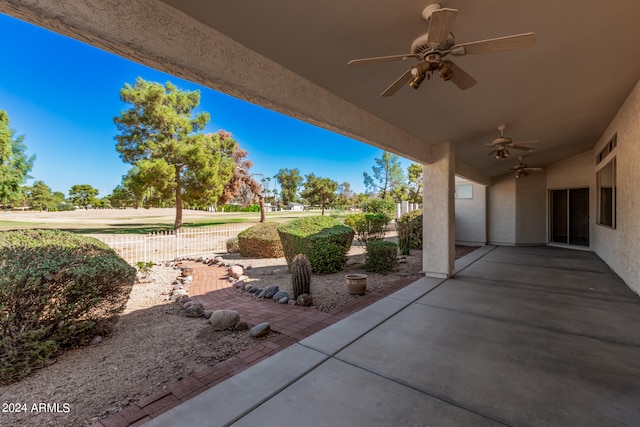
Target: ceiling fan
522,169
433,46
501,146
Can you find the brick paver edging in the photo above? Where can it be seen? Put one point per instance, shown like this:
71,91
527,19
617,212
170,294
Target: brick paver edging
292,323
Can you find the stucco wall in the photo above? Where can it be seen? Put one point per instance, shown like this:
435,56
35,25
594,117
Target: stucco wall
471,216
501,209
574,172
620,247
531,213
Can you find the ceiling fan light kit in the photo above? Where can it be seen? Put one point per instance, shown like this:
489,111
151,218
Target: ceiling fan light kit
523,170
501,146
432,47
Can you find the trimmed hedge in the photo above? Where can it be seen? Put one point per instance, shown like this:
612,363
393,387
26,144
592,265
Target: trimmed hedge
323,239
381,256
57,290
232,245
261,241
368,226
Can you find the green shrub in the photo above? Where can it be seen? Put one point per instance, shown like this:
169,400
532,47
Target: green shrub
409,228
324,240
238,208
144,267
261,241
368,226
379,206
56,289
232,245
381,256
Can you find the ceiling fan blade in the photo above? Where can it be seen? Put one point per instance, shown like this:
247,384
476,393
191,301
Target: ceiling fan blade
379,59
520,147
395,86
440,25
528,169
519,41
460,78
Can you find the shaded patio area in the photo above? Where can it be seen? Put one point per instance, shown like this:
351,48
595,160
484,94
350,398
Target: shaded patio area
520,336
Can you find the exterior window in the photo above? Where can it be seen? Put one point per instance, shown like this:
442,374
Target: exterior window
606,178
464,191
613,142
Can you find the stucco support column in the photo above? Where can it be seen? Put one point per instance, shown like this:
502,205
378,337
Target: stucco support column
438,254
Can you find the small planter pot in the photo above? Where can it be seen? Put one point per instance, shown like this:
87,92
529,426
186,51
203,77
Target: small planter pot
356,283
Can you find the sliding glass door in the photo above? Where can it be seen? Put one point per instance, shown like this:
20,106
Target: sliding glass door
569,214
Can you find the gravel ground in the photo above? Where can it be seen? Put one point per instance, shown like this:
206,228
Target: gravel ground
153,344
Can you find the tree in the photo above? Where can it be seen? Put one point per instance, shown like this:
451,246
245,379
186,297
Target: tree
289,180
243,183
319,191
346,196
121,197
160,136
387,176
14,164
83,195
40,195
414,173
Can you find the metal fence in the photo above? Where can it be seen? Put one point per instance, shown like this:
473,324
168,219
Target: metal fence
168,245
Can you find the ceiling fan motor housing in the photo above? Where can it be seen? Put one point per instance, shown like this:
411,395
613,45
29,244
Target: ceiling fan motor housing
419,46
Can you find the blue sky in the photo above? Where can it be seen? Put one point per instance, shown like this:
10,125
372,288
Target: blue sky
62,95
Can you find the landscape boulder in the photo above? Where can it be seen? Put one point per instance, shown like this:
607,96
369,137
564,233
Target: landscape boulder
236,271
224,319
305,300
260,329
280,294
271,291
194,310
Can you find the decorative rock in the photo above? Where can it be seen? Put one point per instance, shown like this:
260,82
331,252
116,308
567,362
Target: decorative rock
207,313
260,330
224,319
188,279
241,326
176,287
96,340
248,288
255,290
239,284
402,260
194,310
187,271
280,294
188,304
271,291
218,259
284,300
291,302
180,292
262,293
305,300
236,271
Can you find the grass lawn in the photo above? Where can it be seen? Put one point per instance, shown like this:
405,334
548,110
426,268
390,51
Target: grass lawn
132,221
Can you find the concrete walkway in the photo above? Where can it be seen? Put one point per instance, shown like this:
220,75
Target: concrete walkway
521,336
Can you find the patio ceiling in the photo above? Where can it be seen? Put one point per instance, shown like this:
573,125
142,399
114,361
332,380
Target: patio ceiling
562,92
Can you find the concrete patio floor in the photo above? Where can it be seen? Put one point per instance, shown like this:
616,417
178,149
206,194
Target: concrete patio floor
521,336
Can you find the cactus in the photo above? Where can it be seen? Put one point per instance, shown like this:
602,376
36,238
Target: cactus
300,275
